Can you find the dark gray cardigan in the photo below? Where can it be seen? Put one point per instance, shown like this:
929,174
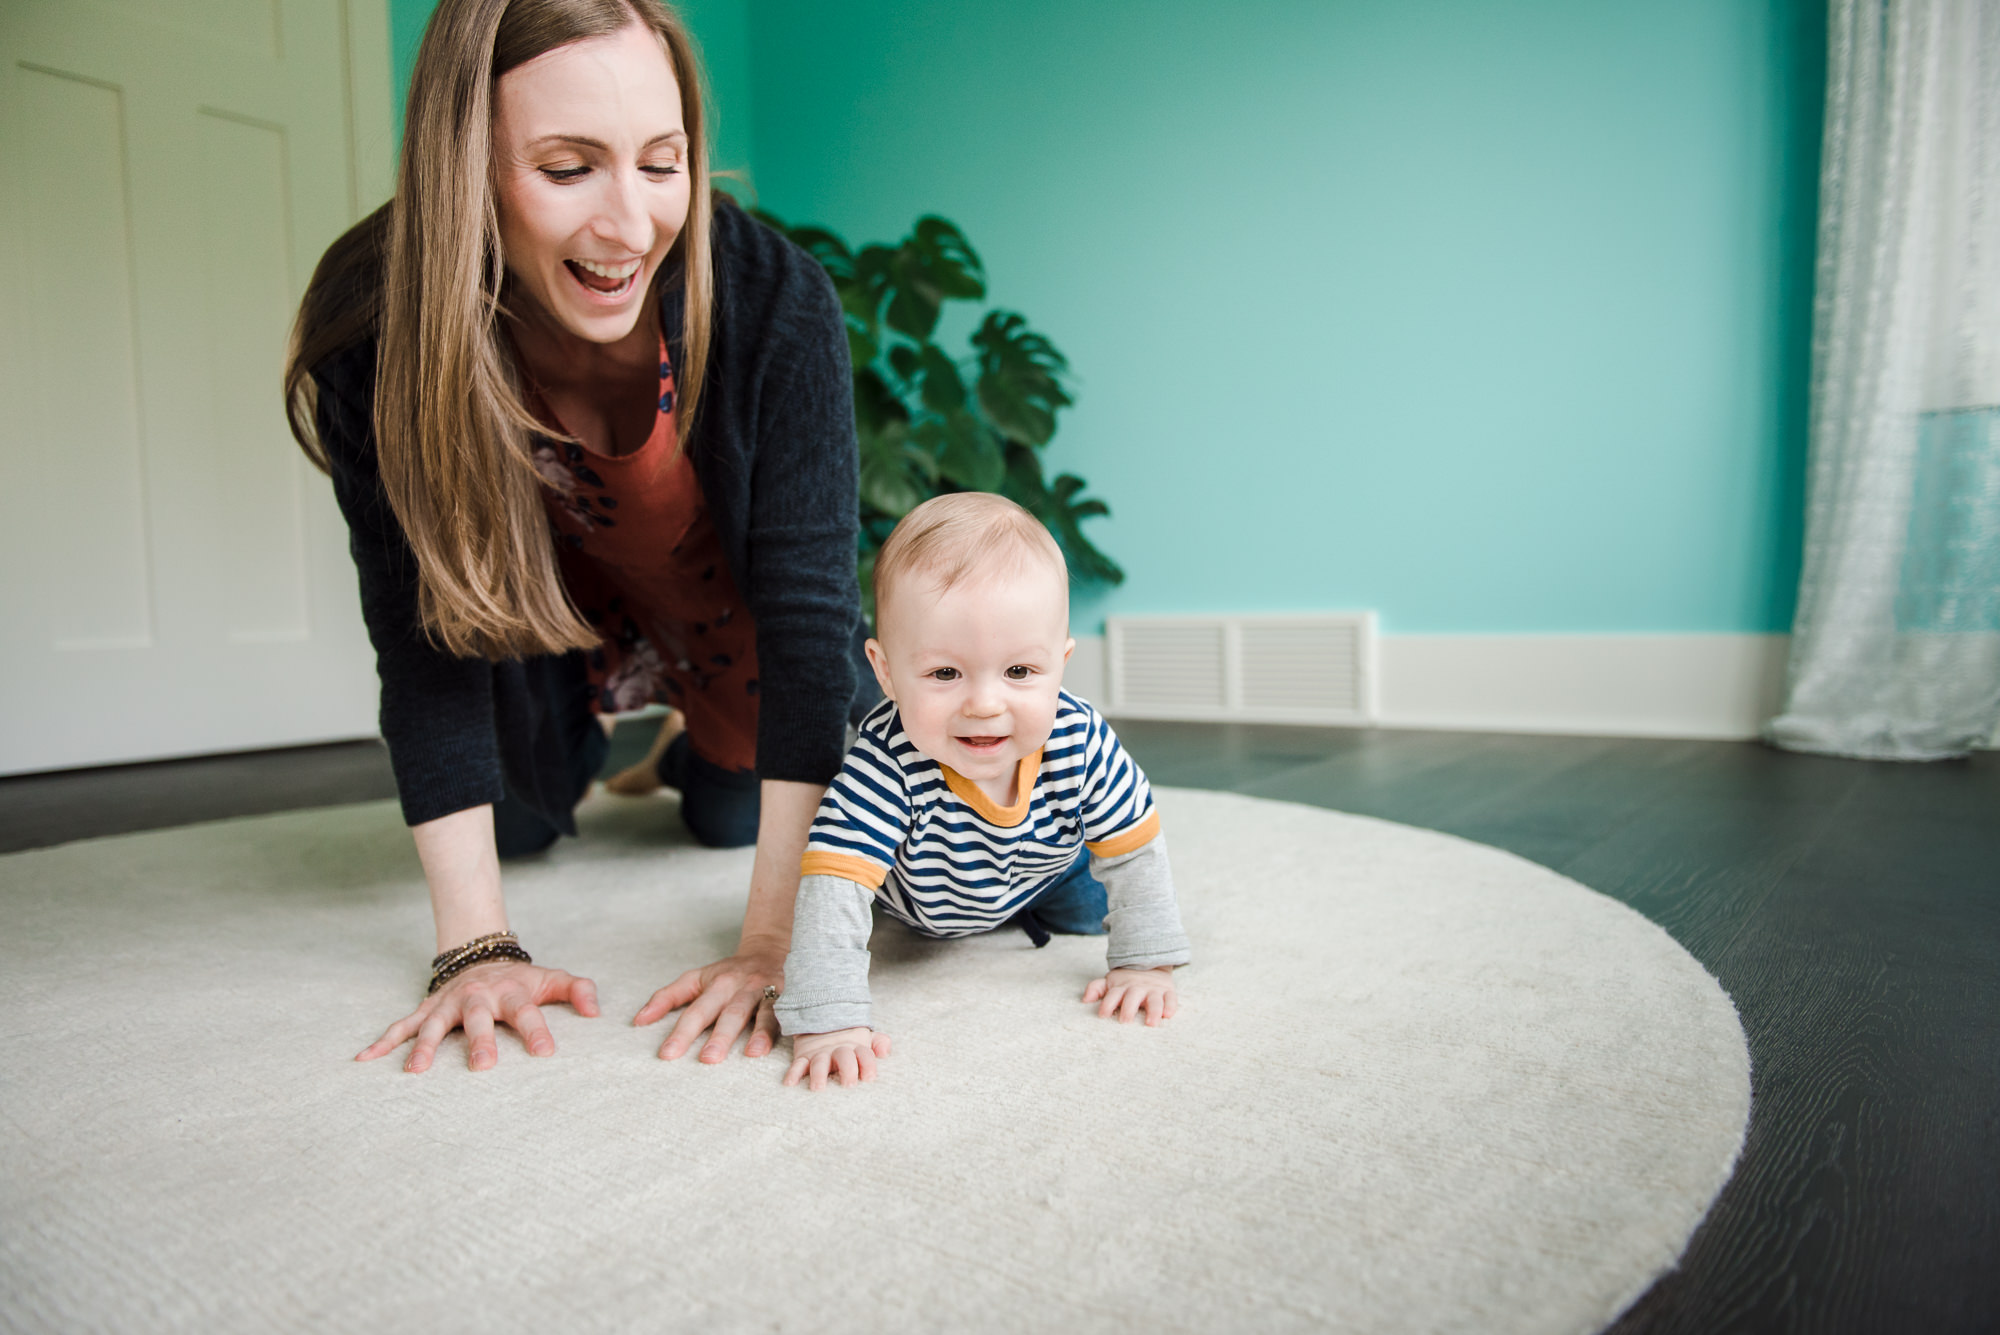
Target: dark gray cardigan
774,451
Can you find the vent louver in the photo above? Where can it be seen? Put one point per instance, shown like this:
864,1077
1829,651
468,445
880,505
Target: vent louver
1274,669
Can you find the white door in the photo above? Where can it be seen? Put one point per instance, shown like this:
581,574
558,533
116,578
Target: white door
173,575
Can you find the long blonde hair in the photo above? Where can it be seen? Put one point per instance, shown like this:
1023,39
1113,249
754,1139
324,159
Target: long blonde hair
425,275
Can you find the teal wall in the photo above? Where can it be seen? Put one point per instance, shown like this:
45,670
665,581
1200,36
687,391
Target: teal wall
722,27
406,32
1490,316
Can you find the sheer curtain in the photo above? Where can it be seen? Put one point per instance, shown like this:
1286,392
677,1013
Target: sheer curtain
1896,646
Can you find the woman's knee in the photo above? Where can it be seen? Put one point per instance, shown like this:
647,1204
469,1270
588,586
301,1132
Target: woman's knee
718,806
726,823
519,832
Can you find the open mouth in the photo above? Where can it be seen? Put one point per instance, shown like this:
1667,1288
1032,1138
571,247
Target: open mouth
982,745
610,281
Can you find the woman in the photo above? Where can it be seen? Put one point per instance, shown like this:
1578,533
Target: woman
593,438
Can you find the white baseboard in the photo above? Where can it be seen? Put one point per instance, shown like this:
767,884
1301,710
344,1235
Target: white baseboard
1696,686
1710,686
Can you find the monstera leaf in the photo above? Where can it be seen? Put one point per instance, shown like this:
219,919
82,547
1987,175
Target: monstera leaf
1062,508
943,387
897,473
1018,385
922,428
934,264
968,454
876,405
831,252
874,281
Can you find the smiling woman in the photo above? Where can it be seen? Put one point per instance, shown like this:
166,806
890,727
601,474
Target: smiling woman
593,436
585,221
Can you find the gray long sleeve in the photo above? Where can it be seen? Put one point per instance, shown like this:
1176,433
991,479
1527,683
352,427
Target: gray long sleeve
826,974
1144,922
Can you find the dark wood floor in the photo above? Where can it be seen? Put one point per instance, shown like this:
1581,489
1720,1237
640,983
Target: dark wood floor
1852,910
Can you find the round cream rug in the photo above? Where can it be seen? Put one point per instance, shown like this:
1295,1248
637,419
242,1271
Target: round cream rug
1416,1084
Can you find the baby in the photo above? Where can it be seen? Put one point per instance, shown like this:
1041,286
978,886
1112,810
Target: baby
979,793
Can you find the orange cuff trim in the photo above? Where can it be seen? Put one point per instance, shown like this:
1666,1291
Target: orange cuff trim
862,871
1129,838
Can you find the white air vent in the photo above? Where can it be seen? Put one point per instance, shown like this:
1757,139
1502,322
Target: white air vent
1270,669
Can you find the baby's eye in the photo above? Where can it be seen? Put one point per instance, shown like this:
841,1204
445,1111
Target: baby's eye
945,674
1020,672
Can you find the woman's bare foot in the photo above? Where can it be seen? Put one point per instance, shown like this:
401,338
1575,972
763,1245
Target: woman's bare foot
643,778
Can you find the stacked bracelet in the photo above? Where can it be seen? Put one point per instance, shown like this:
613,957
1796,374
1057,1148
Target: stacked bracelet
493,946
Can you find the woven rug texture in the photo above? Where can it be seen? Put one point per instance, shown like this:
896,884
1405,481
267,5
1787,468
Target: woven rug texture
1416,1084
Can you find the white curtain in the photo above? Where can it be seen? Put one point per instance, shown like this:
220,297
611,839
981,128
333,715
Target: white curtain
1896,646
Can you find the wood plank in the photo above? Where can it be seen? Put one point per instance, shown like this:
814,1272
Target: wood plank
1227,756
42,810
1866,978
1710,849
1383,774
1556,818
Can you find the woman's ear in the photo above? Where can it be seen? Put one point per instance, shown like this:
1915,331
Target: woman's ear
879,660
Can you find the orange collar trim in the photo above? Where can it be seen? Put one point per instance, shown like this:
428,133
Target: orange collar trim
975,797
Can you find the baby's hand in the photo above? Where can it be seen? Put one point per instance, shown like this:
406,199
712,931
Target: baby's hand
1130,992
848,1054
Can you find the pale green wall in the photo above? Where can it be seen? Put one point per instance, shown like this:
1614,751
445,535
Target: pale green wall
720,26
1491,316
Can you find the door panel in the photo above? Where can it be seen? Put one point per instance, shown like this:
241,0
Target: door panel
260,525
177,580
87,525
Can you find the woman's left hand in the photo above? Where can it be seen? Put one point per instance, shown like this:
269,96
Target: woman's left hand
727,997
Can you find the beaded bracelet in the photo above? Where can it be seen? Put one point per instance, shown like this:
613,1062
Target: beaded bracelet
497,951
445,957
493,946
452,960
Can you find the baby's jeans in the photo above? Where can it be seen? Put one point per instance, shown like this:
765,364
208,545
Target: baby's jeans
1073,906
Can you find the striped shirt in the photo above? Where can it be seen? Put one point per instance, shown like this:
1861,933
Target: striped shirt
946,859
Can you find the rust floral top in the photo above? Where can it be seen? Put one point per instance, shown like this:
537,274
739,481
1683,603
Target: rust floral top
645,566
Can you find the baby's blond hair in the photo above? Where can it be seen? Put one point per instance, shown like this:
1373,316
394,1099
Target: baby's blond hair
950,537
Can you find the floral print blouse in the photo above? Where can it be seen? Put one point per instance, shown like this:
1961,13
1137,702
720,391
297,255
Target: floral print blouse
644,565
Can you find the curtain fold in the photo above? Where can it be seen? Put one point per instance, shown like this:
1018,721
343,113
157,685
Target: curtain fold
1896,643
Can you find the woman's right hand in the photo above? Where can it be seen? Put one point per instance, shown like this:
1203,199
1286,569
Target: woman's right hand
504,991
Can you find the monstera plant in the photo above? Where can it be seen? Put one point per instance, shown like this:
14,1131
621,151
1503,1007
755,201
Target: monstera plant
931,423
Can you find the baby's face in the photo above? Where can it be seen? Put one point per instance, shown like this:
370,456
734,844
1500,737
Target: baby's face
974,669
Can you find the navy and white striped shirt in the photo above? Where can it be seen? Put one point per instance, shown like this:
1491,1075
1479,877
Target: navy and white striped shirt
941,855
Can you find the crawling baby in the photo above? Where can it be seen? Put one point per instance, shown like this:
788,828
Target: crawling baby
979,794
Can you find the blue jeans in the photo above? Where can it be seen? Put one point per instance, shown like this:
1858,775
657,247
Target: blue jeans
1074,905
718,806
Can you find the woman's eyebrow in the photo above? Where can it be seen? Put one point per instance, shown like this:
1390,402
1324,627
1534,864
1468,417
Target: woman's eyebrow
585,141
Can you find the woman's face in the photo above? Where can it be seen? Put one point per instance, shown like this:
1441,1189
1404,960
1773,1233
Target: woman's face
590,174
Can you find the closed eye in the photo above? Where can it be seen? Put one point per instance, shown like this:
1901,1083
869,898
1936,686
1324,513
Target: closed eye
564,175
